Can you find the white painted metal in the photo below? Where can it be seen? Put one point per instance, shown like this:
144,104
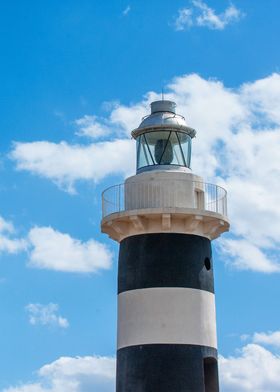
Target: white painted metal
162,117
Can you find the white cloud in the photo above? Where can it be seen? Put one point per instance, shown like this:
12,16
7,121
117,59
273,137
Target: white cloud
34,387
269,338
253,369
184,19
128,118
39,314
73,374
209,18
51,249
126,10
6,226
65,164
92,127
200,14
262,96
244,337
9,244
247,256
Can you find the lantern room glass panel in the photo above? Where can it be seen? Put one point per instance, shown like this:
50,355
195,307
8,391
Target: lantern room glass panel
163,148
144,156
186,145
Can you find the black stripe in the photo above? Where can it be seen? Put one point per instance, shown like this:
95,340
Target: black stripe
165,260
167,368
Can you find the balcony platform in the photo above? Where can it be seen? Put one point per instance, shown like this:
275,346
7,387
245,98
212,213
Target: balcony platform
123,224
158,203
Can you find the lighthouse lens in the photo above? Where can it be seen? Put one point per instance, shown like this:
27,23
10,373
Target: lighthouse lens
163,152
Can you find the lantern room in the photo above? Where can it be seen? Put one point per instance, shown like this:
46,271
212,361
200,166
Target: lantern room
163,139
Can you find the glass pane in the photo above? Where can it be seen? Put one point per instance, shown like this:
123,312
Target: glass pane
178,158
138,143
144,157
185,142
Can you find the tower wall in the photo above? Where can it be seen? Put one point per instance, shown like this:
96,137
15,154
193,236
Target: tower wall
166,314
163,188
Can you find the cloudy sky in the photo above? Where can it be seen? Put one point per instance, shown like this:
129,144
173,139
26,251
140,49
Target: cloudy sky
76,78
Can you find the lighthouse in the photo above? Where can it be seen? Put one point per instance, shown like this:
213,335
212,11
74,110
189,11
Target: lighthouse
165,218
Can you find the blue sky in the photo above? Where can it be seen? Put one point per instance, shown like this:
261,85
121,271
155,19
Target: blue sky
76,78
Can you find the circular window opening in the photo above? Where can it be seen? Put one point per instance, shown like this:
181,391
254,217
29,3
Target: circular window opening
207,263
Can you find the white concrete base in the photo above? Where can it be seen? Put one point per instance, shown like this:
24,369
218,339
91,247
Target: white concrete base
164,220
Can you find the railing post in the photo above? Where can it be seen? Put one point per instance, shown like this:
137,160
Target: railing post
217,206
119,198
102,203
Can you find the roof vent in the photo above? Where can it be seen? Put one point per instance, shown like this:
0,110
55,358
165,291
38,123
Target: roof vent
163,106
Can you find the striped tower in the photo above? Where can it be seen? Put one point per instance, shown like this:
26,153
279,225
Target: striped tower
165,218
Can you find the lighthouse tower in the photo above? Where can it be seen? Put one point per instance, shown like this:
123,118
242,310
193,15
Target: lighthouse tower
164,218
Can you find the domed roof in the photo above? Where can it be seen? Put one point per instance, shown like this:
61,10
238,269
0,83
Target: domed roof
163,116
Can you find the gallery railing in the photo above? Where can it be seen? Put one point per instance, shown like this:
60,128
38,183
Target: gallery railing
164,194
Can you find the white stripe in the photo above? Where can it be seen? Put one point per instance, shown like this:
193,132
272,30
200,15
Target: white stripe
166,316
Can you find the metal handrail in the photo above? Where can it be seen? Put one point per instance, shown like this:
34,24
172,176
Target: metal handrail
159,194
